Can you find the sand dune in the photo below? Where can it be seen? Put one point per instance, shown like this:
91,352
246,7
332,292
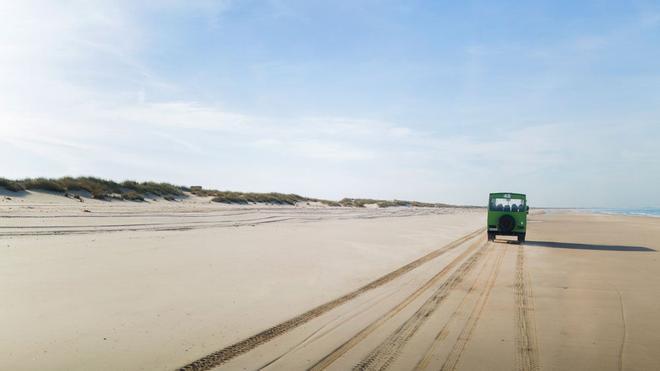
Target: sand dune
163,285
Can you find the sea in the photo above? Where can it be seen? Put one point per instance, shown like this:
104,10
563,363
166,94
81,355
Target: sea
645,211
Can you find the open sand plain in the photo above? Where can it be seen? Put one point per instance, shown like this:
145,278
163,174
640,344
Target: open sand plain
165,285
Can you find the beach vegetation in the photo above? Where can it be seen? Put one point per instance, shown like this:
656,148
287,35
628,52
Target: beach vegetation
98,188
104,189
11,185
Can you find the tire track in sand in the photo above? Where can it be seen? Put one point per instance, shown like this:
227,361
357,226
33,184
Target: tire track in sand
431,352
625,331
223,355
466,333
332,325
386,352
362,334
527,353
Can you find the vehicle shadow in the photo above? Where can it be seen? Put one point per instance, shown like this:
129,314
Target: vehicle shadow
584,246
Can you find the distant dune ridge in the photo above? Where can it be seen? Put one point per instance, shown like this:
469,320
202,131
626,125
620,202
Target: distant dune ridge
103,189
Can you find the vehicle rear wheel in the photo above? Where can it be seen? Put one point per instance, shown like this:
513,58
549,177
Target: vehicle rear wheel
506,224
521,237
491,236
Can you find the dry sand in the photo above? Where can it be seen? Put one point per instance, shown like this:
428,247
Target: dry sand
163,285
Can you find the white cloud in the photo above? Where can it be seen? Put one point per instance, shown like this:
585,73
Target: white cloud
75,99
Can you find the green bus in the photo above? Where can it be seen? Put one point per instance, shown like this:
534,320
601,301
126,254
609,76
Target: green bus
507,215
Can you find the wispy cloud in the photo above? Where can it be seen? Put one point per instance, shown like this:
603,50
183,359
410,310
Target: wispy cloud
80,94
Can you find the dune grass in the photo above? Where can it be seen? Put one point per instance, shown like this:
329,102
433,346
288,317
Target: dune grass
292,199
138,191
362,202
11,185
229,197
98,188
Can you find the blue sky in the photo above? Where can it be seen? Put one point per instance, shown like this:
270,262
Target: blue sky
426,100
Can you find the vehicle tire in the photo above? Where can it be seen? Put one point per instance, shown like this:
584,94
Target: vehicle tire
491,236
506,224
521,237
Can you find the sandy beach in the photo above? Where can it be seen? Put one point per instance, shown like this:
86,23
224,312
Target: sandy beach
329,185
163,285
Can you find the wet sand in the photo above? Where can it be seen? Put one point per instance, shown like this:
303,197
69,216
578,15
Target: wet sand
165,285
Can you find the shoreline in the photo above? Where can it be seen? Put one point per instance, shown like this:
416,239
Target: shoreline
627,212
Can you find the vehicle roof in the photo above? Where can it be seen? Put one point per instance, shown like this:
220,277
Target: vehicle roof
512,195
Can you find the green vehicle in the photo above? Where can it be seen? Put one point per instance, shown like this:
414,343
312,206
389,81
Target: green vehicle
507,215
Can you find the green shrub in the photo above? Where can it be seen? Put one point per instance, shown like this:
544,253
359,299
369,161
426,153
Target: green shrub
43,184
229,197
135,191
11,185
132,196
98,188
100,196
158,189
